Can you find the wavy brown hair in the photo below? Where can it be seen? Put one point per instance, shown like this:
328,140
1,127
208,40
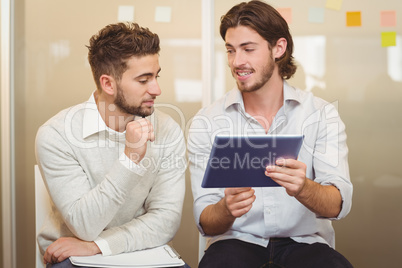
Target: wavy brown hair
267,22
113,45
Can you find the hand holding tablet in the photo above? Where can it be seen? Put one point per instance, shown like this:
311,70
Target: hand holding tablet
240,161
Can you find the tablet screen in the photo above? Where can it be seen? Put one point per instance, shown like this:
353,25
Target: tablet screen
240,161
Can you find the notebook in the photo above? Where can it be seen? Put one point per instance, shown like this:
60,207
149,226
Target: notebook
163,256
240,161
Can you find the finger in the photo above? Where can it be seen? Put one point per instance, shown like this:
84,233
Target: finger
56,255
48,256
239,209
290,163
234,191
151,133
271,170
241,200
151,136
147,129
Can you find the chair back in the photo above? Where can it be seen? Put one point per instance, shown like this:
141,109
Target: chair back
202,243
42,208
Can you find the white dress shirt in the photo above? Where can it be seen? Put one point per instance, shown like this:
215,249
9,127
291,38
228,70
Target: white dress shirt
274,213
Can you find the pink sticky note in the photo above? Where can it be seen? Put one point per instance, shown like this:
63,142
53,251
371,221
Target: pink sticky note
286,13
388,18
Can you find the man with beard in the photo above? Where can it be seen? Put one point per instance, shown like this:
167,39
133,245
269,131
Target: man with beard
114,167
288,226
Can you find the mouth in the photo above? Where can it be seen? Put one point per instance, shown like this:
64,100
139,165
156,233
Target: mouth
149,102
243,74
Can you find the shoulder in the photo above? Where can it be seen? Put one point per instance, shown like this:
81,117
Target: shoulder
166,128
308,100
169,137
163,120
57,125
219,106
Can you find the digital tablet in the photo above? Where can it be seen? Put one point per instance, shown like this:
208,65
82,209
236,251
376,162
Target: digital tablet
240,161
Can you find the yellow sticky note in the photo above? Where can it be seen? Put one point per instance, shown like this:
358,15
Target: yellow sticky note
353,18
286,13
388,39
334,4
388,18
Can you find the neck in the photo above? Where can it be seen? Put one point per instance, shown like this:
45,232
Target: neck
264,103
111,115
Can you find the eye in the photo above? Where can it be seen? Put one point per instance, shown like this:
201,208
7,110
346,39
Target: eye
143,81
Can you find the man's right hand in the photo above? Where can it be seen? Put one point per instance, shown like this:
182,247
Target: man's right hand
218,218
239,201
138,133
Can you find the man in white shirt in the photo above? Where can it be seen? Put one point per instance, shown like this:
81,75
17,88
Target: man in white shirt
113,166
288,226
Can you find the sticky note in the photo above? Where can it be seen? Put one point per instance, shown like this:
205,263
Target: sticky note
388,39
388,18
286,13
334,4
125,13
316,15
353,18
163,14
182,92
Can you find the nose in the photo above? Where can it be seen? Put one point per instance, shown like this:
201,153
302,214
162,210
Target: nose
154,89
239,59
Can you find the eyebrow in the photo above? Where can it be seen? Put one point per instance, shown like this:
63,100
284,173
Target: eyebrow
148,74
242,44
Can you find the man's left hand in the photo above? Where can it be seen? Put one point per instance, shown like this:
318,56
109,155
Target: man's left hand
65,247
289,173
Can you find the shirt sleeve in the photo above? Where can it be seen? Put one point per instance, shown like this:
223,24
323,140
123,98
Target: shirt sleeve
103,246
330,161
199,146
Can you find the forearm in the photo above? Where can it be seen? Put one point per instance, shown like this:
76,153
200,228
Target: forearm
324,200
216,219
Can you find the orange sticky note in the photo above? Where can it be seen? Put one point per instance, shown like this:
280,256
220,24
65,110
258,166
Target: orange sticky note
353,18
388,39
388,18
286,13
334,4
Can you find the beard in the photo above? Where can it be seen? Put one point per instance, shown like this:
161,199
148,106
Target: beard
122,104
267,72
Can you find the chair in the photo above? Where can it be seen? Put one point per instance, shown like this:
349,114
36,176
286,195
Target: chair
42,208
202,243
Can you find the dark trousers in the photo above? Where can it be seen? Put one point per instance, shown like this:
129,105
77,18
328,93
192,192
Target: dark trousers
280,253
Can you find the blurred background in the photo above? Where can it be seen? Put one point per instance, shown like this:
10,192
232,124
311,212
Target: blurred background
348,52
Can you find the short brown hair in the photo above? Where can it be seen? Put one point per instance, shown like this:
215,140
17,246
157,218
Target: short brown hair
267,22
113,45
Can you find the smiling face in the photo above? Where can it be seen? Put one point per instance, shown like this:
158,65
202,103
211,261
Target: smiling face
138,87
249,58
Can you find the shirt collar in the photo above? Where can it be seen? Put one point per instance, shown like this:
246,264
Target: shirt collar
92,122
289,94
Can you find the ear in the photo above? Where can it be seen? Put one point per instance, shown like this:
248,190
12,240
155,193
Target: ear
280,48
108,84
